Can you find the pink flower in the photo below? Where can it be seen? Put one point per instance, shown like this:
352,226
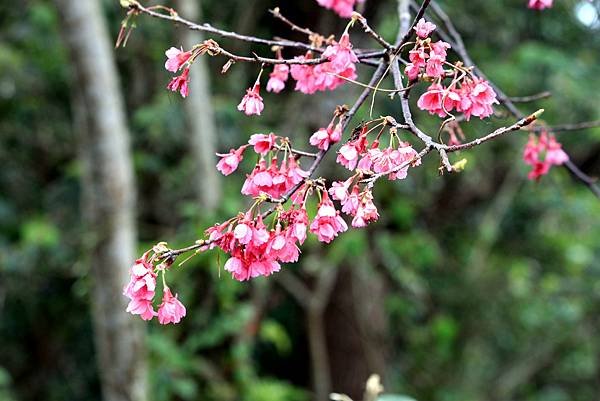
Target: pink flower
343,8
412,71
532,151
328,222
229,161
554,153
366,211
320,139
477,98
140,289
418,57
424,28
252,102
339,190
352,202
171,310
341,54
262,143
435,67
278,78
348,156
304,76
539,4
326,136
180,83
431,100
176,58
440,48
142,307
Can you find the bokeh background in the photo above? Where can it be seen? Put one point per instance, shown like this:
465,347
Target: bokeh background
476,286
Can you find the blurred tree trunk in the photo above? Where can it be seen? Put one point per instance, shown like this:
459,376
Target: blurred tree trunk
200,116
108,197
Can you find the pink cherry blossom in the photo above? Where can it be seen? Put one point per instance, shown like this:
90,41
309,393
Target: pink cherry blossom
366,211
320,139
171,310
424,28
278,78
229,161
431,100
176,58
554,153
340,54
477,98
252,102
440,48
540,4
180,83
262,143
435,67
328,223
545,146
140,289
412,71
339,190
142,307
348,156
343,8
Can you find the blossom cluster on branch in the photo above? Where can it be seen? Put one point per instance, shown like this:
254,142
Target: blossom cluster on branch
282,181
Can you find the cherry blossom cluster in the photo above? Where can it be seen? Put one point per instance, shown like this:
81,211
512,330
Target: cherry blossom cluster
141,291
542,153
341,66
344,8
270,176
177,59
539,4
465,93
367,159
257,241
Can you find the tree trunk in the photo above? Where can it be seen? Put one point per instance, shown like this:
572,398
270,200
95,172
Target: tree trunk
108,197
200,116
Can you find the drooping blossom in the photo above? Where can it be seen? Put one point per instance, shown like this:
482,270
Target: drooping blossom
180,83
229,161
366,212
262,143
176,58
273,180
254,249
252,102
542,153
539,4
325,76
340,54
328,223
171,310
339,190
477,98
278,78
141,288
424,28
344,8
348,156
324,137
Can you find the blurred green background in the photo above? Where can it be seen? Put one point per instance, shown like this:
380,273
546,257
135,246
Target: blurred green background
476,286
